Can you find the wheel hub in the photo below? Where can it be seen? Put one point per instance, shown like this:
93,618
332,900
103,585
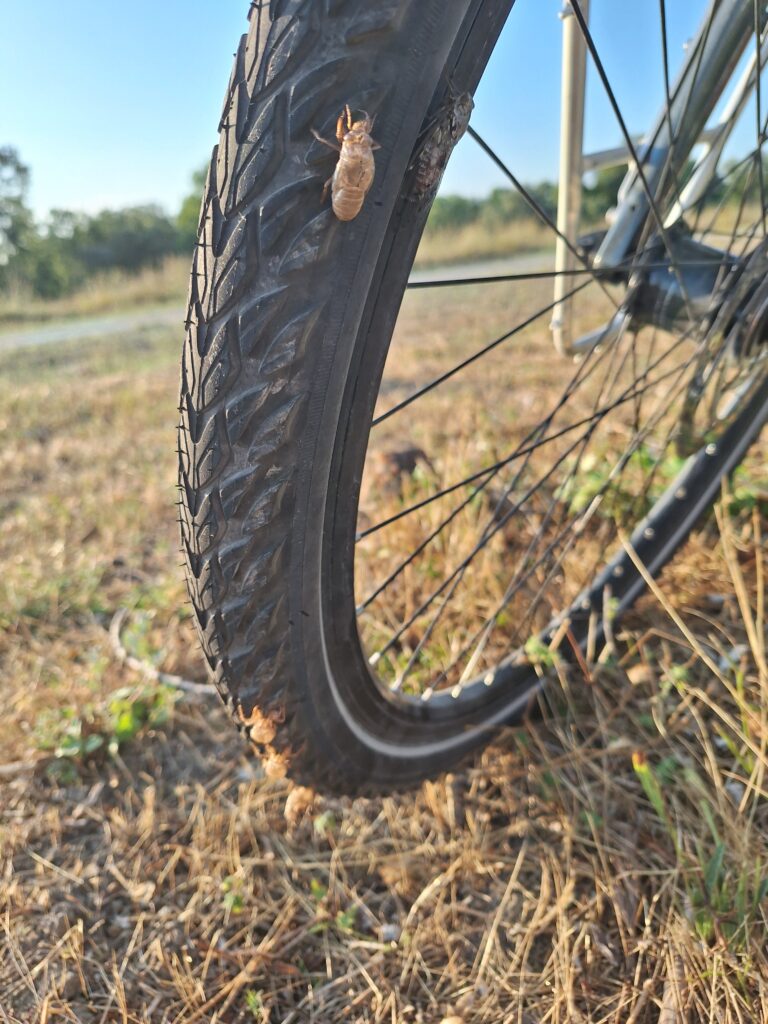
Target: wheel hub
733,354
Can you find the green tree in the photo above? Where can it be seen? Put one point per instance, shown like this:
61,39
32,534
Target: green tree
128,239
189,214
48,272
453,212
502,206
601,195
16,224
545,194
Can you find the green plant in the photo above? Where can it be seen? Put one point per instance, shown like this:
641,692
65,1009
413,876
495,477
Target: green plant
232,899
726,896
653,791
539,654
100,730
254,1002
324,823
589,478
723,892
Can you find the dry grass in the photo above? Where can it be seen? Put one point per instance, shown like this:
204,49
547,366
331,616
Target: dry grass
606,864
105,293
476,242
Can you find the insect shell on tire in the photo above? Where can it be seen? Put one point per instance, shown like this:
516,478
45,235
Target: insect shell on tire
438,143
353,175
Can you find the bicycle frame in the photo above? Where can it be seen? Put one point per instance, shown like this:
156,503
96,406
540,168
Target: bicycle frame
679,127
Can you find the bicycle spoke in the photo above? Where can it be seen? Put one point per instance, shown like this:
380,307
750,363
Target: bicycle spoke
665,58
583,372
758,111
483,634
592,422
721,205
537,208
543,275
486,536
517,453
436,603
668,165
473,358
537,275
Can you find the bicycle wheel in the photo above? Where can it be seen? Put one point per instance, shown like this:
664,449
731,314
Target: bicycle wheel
388,512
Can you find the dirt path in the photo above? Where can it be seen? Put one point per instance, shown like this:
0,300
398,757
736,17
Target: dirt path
92,327
525,263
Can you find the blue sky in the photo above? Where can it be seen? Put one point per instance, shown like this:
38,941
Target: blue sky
114,103
117,103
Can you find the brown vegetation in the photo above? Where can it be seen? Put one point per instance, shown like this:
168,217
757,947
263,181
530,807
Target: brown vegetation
609,863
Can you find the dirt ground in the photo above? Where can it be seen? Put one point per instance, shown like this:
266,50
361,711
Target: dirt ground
608,863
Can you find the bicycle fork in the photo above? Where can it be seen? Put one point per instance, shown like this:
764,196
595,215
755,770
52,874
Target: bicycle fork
662,154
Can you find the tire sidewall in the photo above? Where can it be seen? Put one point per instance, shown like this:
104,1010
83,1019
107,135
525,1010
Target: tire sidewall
370,735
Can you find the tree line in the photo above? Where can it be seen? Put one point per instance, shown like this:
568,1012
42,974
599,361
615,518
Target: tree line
55,257
738,182
504,205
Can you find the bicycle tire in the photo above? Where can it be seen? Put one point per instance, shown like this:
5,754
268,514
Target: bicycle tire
290,315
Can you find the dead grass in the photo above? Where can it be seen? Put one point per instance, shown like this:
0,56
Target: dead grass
477,242
606,864
103,294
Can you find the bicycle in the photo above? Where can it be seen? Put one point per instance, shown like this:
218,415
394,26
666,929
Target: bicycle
373,615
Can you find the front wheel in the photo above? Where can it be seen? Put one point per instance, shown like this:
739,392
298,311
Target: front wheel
382,515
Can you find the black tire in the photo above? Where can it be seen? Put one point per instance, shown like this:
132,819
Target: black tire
290,316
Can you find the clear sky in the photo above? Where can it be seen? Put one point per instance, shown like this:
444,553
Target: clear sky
116,103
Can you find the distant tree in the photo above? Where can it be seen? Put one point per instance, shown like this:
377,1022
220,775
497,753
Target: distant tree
545,194
64,224
128,239
504,205
500,207
55,257
189,214
453,212
49,271
16,223
601,194
738,181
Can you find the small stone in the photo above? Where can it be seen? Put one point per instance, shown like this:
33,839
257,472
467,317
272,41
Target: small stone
735,790
390,932
69,986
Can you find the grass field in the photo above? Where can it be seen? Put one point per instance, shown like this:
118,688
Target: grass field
476,242
103,294
606,864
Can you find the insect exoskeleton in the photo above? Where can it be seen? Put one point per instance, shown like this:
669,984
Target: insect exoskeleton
354,172
438,141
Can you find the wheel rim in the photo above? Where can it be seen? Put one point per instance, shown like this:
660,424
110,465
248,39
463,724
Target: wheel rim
485,657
